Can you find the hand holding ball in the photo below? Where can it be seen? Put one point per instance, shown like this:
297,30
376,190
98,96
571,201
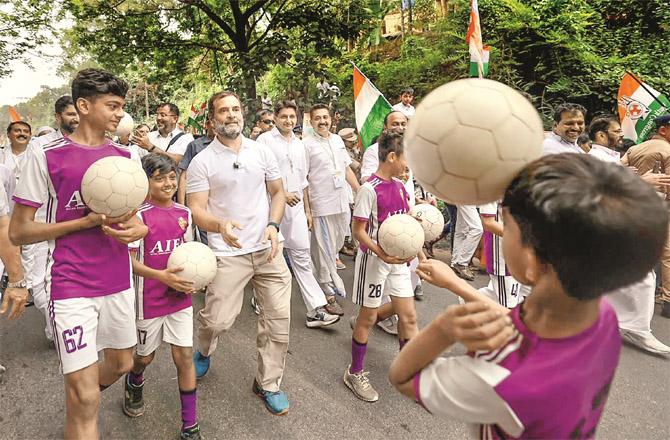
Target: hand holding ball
469,138
197,261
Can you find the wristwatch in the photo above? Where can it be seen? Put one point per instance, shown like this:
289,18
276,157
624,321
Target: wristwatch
276,225
18,285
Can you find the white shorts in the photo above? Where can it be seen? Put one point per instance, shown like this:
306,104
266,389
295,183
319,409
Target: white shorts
175,328
374,277
505,290
84,326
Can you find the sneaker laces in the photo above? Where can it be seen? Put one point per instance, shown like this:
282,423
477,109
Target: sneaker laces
363,379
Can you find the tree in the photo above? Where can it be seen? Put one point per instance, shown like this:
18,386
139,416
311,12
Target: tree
24,26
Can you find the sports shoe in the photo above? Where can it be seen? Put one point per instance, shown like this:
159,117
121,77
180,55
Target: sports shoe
192,433
254,304
2,372
340,265
133,402
389,325
418,292
320,318
359,384
275,401
463,272
333,307
665,309
646,342
201,364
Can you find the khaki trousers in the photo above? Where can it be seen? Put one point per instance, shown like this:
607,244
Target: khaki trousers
665,270
223,302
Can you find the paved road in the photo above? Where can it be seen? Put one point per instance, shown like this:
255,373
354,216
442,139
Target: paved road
31,401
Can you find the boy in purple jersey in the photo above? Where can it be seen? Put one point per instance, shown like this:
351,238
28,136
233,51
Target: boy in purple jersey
164,307
88,278
375,271
544,369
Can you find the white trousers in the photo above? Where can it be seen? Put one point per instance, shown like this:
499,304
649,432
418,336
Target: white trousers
327,240
467,234
34,262
311,292
634,305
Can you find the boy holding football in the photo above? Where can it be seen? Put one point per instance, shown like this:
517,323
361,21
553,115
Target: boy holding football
164,306
375,271
543,369
92,304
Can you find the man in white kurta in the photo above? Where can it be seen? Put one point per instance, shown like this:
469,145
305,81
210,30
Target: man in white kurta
328,175
295,226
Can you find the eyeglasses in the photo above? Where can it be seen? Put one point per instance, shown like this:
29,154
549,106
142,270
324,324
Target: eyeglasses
268,121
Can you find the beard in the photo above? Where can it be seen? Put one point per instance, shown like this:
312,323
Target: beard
68,128
227,131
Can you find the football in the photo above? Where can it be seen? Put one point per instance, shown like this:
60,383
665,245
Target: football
469,138
197,261
401,236
114,185
432,220
125,126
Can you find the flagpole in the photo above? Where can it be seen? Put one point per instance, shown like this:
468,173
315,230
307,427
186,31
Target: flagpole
643,85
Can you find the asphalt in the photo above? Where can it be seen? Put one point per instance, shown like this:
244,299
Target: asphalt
32,401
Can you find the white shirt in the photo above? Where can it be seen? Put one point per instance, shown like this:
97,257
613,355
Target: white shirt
328,162
554,144
7,184
178,147
370,163
12,161
605,154
407,110
237,191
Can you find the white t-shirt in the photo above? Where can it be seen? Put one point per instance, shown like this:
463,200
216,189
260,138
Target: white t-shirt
7,183
554,144
408,111
236,183
42,141
370,163
328,162
605,154
178,147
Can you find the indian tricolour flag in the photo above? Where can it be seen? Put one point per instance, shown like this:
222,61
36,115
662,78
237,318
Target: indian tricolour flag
370,107
479,55
196,118
639,105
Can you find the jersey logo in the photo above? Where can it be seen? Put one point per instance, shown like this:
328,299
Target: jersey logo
183,224
75,201
166,246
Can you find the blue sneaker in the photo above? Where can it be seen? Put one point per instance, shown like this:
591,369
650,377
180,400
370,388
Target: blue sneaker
275,401
201,364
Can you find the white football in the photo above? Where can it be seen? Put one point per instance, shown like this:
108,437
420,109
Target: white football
469,138
401,236
198,262
125,126
432,220
114,185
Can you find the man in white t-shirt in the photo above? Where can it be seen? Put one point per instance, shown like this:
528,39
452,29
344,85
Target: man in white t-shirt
235,192
568,126
329,175
405,105
168,140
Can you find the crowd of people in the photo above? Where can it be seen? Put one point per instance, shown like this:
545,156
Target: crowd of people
276,207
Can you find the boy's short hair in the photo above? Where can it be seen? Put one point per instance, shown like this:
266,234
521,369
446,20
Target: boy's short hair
157,162
408,90
12,124
62,103
597,224
389,142
89,83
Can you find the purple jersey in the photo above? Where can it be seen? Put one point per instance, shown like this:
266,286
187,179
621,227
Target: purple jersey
376,200
168,228
531,387
83,264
